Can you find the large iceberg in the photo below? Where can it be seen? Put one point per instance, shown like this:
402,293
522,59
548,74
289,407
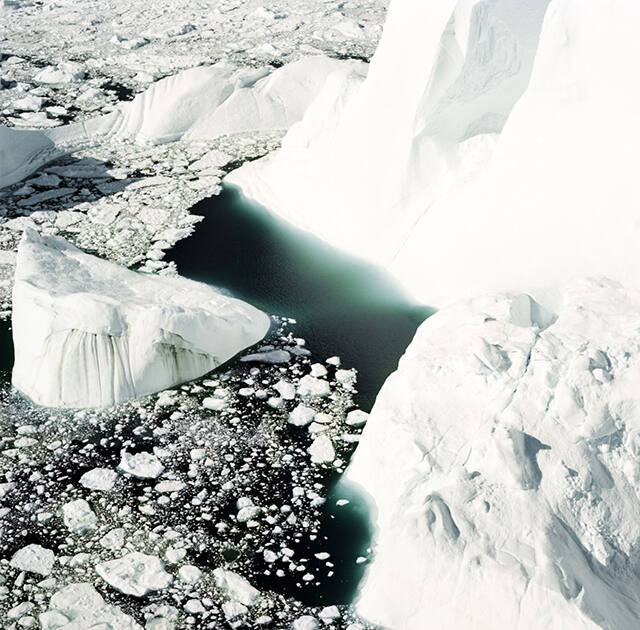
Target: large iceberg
490,146
502,462
207,102
90,333
199,104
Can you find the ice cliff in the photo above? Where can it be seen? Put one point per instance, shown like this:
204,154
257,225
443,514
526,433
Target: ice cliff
490,146
90,333
502,460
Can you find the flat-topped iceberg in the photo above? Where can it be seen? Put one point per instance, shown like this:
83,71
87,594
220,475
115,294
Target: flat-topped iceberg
502,462
89,333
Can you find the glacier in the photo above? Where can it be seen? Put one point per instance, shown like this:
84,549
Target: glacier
89,333
501,461
482,152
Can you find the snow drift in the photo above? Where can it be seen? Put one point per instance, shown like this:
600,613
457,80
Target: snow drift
491,146
502,459
90,333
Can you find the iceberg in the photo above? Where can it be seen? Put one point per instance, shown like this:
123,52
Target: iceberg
199,104
89,333
207,102
502,464
491,146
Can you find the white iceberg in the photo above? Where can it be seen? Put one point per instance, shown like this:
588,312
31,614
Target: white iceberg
211,101
502,462
89,333
491,146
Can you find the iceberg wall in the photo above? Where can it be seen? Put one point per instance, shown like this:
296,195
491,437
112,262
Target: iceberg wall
89,333
501,460
490,147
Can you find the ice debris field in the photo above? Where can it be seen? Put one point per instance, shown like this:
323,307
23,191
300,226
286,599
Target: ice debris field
482,152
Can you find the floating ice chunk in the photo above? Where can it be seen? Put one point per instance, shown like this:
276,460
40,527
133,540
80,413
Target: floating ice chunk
301,415
114,539
306,622
142,465
274,356
34,558
78,516
321,450
357,418
99,479
317,369
88,332
66,72
236,587
135,574
285,389
189,574
79,606
312,387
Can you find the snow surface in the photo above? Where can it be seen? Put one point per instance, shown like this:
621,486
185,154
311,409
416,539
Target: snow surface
88,332
483,152
502,464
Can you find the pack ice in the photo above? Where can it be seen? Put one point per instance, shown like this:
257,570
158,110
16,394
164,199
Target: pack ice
502,462
490,147
90,333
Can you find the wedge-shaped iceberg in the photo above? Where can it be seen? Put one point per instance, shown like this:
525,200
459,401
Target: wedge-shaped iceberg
90,333
502,459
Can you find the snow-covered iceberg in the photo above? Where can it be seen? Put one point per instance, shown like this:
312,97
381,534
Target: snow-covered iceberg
503,464
90,333
207,102
491,146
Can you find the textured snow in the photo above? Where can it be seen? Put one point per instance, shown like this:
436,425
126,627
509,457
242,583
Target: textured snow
501,460
90,333
483,151
135,574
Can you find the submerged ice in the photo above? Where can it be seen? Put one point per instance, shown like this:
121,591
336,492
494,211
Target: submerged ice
90,333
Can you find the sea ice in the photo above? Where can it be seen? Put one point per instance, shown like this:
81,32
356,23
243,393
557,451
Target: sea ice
135,574
34,558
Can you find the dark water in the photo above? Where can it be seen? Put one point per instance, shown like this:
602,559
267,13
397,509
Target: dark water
6,350
342,305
